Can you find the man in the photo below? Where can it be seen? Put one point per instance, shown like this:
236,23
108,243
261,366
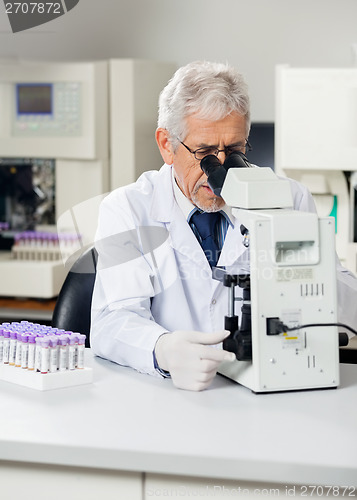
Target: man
155,305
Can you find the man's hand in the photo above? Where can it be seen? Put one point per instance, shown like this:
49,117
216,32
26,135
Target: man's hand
188,357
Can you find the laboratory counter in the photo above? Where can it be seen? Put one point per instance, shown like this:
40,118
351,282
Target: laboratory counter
139,435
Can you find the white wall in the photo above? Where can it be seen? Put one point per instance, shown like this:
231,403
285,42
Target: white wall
253,35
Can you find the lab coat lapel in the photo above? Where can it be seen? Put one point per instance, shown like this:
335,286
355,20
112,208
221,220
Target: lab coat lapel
184,241
163,200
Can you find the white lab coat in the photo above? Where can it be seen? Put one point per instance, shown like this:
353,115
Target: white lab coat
153,276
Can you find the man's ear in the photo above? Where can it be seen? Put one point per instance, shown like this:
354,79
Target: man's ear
164,144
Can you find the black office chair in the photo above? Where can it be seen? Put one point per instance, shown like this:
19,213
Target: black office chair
73,307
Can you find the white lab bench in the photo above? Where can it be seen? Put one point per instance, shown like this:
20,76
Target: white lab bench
133,437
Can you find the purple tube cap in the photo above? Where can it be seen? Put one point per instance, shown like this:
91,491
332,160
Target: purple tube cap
45,341
63,340
53,341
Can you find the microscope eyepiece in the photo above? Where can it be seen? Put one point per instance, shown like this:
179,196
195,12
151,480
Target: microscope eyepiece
216,172
209,163
236,160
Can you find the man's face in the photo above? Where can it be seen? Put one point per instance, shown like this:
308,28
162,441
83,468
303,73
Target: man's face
230,131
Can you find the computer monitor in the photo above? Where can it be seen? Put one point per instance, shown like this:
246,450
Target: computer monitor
261,138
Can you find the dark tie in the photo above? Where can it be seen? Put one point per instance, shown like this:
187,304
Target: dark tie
206,224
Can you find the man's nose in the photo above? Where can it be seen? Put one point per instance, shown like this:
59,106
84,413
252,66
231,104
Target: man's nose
221,156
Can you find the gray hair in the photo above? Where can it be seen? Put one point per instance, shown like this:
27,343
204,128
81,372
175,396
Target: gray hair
210,90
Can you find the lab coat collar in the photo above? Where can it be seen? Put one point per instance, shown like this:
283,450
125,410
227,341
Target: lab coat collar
163,199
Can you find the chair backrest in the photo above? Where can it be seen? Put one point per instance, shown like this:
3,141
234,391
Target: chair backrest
73,306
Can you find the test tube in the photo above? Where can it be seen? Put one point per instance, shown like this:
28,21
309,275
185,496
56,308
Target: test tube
38,354
45,354
72,352
24,350
6,355
31,351
1,345
63,357
80,350
76,335
18,349
57,335
13,343
53,353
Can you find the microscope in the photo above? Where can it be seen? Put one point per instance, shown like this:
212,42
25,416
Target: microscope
286,337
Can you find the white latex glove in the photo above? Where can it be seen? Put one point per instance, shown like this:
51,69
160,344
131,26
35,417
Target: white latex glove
188,357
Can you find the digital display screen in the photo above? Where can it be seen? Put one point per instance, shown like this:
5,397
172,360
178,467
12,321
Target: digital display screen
34,98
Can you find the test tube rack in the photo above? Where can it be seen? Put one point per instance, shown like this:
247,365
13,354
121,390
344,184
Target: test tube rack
57,356
47,381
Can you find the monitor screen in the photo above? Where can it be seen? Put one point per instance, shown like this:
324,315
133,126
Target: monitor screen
34,98
261,138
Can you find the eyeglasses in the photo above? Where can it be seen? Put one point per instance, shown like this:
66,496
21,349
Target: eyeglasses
200,153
